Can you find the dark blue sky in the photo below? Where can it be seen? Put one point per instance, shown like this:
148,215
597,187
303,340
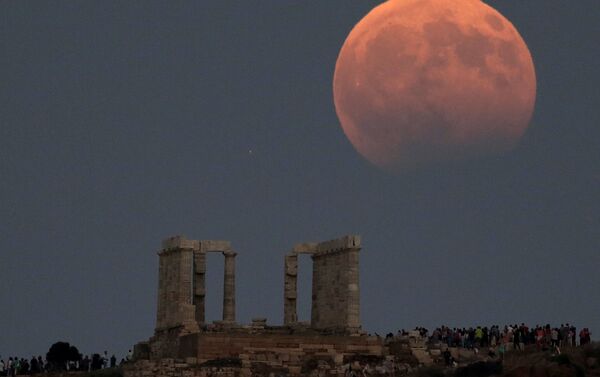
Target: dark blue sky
122,123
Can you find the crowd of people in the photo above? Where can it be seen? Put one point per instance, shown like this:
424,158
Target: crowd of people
13,366
509,337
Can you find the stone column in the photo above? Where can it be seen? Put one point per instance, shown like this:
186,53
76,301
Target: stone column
186,310
229,287
317,299
199,285
353,319
161,313
290,289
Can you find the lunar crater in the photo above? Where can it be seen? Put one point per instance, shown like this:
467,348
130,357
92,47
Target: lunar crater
495,22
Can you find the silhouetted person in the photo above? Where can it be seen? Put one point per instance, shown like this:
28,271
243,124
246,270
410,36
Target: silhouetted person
447,357
113,361
33,366
584,336
85,364
96,362
24,367
517,340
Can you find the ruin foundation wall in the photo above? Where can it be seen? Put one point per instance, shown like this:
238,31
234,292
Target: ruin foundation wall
292,355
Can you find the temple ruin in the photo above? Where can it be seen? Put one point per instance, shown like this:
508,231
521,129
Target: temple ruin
182,285
182,333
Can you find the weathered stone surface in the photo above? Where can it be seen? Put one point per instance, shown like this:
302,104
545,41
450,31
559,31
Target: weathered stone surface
305,248
290,289
179,242
336,294
229,288
339,244
213,245
423,356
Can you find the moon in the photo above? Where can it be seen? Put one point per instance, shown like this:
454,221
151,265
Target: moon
422,82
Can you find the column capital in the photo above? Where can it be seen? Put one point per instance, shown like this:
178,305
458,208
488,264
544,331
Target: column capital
229,253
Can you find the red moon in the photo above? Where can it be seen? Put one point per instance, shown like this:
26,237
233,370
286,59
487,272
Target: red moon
420,82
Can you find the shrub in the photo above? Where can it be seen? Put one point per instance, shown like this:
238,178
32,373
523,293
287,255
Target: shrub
592,350
561,359
60,353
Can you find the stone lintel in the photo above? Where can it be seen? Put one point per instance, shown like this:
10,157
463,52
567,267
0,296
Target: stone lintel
305,248
207,246
179,242
339,244
351,241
